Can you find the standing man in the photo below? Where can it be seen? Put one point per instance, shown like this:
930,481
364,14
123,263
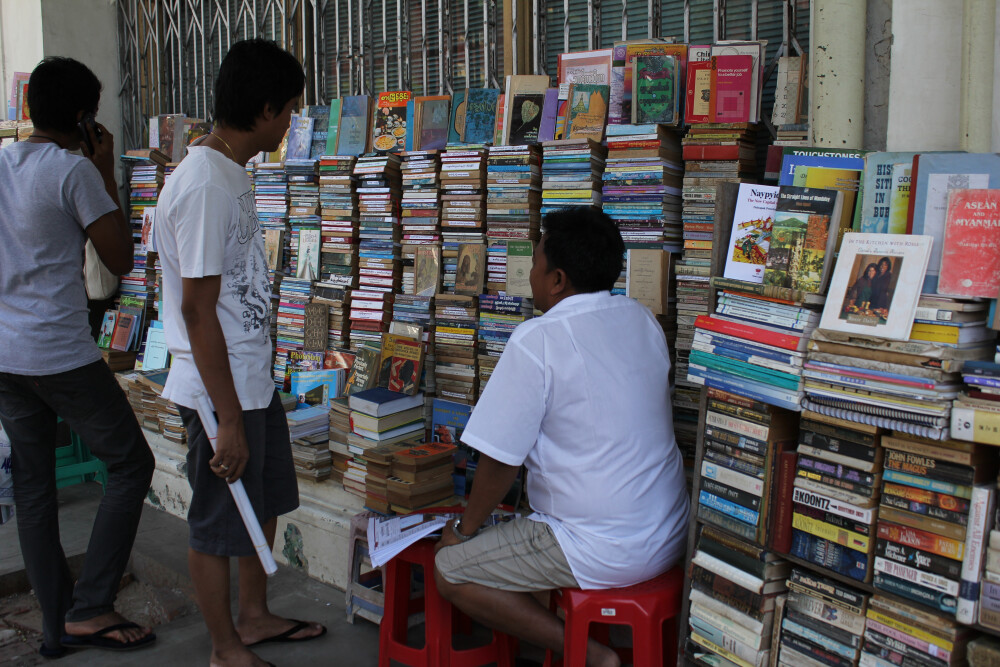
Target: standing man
51,202
581,398
217,301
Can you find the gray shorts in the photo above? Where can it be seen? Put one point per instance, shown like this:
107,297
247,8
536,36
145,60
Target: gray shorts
520,555
215,525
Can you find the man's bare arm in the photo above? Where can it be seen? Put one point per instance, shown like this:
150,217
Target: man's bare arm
493,481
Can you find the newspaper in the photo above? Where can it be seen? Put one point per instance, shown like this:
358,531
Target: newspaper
389,536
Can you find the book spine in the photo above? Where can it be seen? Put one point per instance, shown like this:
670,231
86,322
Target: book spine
726,507
925,523
898,652
785,341
830,555
982,510
835,445
732,478
826,612
917,559
820,639
917,577
755,623
772,320
781,528
834,519
750,444
727,522
740,412
959,490
724,569
734,463
834,492
731,494
757,568
734,452
838,470
913,631
727,588
940,473
832,505
813,651
746,636
721,637
933,599
923,540
828,589
941,500
958,518
723,652
834,457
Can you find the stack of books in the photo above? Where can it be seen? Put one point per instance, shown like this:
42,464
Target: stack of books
836,489
642,185
340,428
463,210
378,469
455,371
311,456
938,504
400,418
572,170
339,225
900,633
989,598
976,411
370,314
416,314
421,477
294,294
379,193
734,588
270,192
308,424
513,201
421,209
820,622
498,317
338,300
145,184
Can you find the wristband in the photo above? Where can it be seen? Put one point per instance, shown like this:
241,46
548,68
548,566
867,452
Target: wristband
461,538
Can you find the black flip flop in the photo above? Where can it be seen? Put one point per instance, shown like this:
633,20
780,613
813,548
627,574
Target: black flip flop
100,639
286,636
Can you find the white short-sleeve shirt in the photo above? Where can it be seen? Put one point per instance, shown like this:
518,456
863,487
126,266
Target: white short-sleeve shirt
581,398
206,225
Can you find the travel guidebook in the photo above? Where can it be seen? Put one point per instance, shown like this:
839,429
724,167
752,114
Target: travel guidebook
802,238
875,286
970,259
751,237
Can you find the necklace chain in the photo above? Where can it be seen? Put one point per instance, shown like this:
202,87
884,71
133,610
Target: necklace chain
226,144
42,136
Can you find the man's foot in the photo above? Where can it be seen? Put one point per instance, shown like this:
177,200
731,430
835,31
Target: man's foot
270,628
237,656
599,655
98,623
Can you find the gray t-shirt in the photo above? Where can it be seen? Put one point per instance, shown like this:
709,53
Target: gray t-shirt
48,198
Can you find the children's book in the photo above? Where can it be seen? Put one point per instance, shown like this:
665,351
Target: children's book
480,115
390,124
970,259
751,234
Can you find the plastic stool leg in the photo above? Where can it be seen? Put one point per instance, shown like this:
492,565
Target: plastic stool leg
647,645
575,643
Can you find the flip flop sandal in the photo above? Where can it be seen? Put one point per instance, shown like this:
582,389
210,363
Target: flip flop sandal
286,636
100,639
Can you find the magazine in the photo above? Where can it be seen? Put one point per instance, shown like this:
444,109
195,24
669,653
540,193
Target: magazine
389,536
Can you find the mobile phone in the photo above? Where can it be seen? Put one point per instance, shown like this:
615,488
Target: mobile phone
87,122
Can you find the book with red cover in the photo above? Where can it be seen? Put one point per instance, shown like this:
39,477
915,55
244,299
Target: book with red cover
913,200
697,108
122,336
781,527
732,78
758,334
970,256
713,152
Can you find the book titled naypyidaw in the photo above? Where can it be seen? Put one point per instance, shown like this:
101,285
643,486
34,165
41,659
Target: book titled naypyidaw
751,235
876,285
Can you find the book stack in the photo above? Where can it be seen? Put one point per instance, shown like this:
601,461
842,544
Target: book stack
989,597
338,300
976,411
734,588
379,192
379,417
340,427
836,488
311,455
571,173
416,314
421,477
270,192
370,314
742,441
308,424
821,622
145,184
339,224
304,219
513,202
900,633
378,469
642,185
455,371
421,209
498,317
938,503
463,210
294,294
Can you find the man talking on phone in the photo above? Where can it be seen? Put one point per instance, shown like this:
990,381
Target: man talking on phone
51,203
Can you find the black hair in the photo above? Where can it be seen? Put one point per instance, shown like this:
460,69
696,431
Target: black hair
887,261
58,89
254,74
586,244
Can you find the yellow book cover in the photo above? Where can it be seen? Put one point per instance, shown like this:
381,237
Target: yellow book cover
899,198
845,180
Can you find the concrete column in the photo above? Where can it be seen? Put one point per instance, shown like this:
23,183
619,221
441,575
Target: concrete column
20,42
978,33
837,73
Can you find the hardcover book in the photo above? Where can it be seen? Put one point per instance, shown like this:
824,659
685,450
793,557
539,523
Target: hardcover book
480,115
432,122
354,117
300,138
654,88
588,111
524,95
593,67
970,259
390,124
751,235
802,238
872,291
471,268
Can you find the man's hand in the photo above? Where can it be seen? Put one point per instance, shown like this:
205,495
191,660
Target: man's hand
448,537
103,156
231,453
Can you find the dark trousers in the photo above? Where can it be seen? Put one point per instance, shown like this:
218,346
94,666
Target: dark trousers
92,403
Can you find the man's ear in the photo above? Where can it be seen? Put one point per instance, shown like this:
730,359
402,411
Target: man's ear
560,282
267,113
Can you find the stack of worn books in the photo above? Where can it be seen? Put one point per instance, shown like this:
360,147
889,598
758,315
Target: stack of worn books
421,477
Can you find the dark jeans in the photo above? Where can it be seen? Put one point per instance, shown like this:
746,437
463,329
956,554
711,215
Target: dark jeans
92,403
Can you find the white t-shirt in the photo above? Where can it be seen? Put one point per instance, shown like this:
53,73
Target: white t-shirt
580,397
206,225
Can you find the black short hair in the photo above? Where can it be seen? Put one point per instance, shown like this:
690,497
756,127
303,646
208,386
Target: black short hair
58,89
255,73
586,244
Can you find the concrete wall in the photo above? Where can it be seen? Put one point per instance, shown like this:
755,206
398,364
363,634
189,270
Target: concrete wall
20,40
996,85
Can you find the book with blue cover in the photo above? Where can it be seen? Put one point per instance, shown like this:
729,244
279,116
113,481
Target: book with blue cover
355,113
481,115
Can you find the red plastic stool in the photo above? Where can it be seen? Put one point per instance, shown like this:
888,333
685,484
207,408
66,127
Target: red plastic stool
439,619
650,608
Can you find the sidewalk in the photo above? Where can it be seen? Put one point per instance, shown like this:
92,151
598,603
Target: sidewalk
161,592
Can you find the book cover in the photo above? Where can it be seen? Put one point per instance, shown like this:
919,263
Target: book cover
121,338
333,127
432,126
832,158
319,387
588,111
636,49
406,365
525,119
390,124
871,291
354,117
411,115
654,87
519,267
427,271
320,113
751,234
756,52
471,268
844,180
550,111
517,87
364,371
308,256
698,104
500,116
456,128
300,138
107,328
480,115
970,259
878,187
274,243
731,86
802,236
646,273
592,67
170,134
156,355
448,420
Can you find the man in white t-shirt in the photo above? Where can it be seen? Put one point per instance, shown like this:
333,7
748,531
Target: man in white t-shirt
217,303
580,397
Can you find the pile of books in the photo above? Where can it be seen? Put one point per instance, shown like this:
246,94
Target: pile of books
572,170
642,185
463,210
145,183
455,371
378,468
270,192
340,429
421,209
311,456
416,314
294,295
974,414
836,489
379,193
304,218
498,317
339,224
370,314
513,201
938,504
421,477
338,300
899,633
822,622
989,597
308,424
734,587
379,417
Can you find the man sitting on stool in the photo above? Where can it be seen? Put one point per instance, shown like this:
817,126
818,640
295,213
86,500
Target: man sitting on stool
581,398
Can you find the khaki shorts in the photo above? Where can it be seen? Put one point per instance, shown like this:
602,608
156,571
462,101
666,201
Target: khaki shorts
520,555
